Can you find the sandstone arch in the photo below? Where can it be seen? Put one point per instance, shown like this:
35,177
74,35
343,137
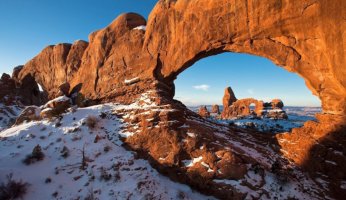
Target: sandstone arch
241,107
305,37
277,31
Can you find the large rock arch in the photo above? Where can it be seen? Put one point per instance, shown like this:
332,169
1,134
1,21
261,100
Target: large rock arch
306,38
294,36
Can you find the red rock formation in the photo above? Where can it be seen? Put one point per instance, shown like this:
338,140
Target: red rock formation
151,57
228,98
277,104
64,89
30,113
215,109
242,108
26,92
203,111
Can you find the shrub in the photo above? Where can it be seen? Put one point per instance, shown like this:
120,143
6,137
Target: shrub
105,175
12,189
106,148
65,152
103,115
92,121
48,180
90,195
36,155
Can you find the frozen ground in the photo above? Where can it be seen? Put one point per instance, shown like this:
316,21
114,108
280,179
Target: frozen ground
109,172
8,115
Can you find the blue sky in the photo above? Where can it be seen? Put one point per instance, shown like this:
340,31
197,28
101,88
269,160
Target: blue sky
27,26
248,75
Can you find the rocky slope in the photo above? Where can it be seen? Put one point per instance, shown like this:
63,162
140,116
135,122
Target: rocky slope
84,149
110,171
123,61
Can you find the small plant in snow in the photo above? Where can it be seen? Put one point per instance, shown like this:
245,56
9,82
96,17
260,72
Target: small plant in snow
58,124
55,194
12,189
105,175
103,115
106,148
181,195
90,195
84,163
36,155
92,121
65,152
48,180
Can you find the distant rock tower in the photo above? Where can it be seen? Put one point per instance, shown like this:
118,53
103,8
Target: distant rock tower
228,98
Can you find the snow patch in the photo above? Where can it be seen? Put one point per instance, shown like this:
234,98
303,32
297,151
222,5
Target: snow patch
191,163
131,81
142,27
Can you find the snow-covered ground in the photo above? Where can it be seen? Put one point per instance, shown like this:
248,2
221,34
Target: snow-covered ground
111,171
8,115
297,116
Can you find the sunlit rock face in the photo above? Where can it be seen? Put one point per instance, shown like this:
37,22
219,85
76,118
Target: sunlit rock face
124,60
179,33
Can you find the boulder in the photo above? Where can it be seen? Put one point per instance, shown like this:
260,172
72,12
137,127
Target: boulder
64,89
56,107
215,109
203,111
30,113
276,114
277,104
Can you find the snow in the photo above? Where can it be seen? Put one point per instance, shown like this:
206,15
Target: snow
330,162
142,27
131,81
272,186
40,88
130,178
343,185
8,115
191,163
58,99
191,134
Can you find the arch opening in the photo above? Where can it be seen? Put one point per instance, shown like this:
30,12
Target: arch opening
260,87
